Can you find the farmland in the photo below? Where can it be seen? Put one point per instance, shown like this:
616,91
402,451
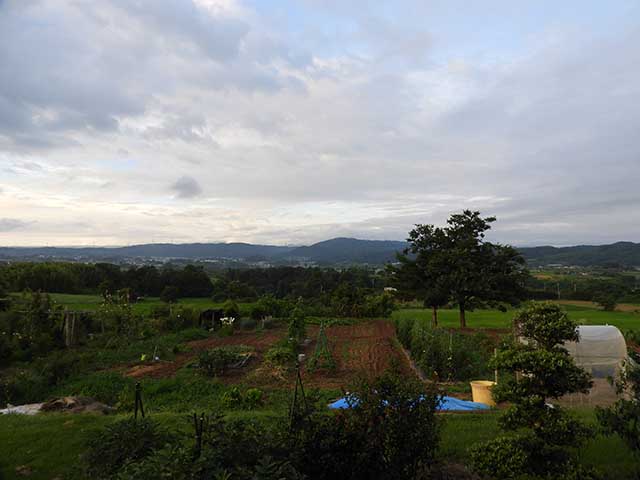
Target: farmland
173,388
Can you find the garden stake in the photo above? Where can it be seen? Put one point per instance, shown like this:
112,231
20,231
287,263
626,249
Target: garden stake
138,404
294,413
199,424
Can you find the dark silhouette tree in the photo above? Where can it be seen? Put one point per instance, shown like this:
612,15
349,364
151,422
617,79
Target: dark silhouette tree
456,263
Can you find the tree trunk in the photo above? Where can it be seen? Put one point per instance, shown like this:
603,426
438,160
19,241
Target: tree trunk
463,319
434,317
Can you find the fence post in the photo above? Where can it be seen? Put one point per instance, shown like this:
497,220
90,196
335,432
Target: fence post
138,404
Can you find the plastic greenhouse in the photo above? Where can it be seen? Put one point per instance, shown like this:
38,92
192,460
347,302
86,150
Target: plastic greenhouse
600,350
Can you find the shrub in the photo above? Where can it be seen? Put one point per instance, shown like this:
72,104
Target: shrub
547,436
281,354
253,398
231,309
391,432
106,387
297,325
22,386
122,443
447,354
170,294
379,305
216,361
622,418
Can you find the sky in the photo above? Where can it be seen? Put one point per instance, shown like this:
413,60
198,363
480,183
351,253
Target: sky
291,122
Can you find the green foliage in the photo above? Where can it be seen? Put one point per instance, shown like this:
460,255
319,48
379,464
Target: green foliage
122,443
106,387
539,369
231,309
268,305
216,361
170,294
22,386
455,262
297,325
387,434
447,354
282,353
322,357
623,418
607,301
234,398
115,315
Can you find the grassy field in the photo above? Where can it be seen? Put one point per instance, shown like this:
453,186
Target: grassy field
28,441
92,302
497,319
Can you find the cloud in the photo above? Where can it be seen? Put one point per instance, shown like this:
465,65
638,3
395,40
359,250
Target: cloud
317,118
186,187
11,224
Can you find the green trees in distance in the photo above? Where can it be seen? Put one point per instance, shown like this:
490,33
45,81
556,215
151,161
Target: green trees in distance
544,438
455,263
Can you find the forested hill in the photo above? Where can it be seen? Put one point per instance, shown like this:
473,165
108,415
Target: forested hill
328,252
620,253
151,250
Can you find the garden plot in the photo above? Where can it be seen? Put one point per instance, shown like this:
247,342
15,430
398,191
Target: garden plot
258,341
368,347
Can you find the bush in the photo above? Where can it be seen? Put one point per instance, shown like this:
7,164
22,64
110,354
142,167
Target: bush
622,418
123,443
447,354
547,436
281,354
105,387
231,309
297,325
170,294
22,386
216,361
388,434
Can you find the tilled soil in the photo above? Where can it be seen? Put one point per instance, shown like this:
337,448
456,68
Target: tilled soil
367,348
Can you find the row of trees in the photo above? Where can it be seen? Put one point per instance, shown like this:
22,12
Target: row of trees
65,277
455,264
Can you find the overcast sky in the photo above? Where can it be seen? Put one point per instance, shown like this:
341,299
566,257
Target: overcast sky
289,122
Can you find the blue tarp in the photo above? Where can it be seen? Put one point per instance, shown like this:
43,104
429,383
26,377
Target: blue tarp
449,404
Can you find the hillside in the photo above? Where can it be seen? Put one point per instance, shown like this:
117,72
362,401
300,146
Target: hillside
619,253
348,250
328,252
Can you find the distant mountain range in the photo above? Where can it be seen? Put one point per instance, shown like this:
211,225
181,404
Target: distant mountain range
329,252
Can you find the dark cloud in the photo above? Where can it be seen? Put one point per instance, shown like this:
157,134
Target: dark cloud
186,187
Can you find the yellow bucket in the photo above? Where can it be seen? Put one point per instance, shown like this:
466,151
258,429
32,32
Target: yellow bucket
481,391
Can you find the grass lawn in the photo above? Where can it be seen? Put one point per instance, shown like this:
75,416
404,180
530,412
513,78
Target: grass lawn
50,445
92,302
497,319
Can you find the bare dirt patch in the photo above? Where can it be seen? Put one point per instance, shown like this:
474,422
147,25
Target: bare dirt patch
367,348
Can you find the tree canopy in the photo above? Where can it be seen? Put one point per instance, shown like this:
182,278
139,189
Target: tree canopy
455,263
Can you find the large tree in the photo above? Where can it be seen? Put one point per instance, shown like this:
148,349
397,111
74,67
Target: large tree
457,263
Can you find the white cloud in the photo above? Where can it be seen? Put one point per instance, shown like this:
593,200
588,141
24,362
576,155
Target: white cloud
127,122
